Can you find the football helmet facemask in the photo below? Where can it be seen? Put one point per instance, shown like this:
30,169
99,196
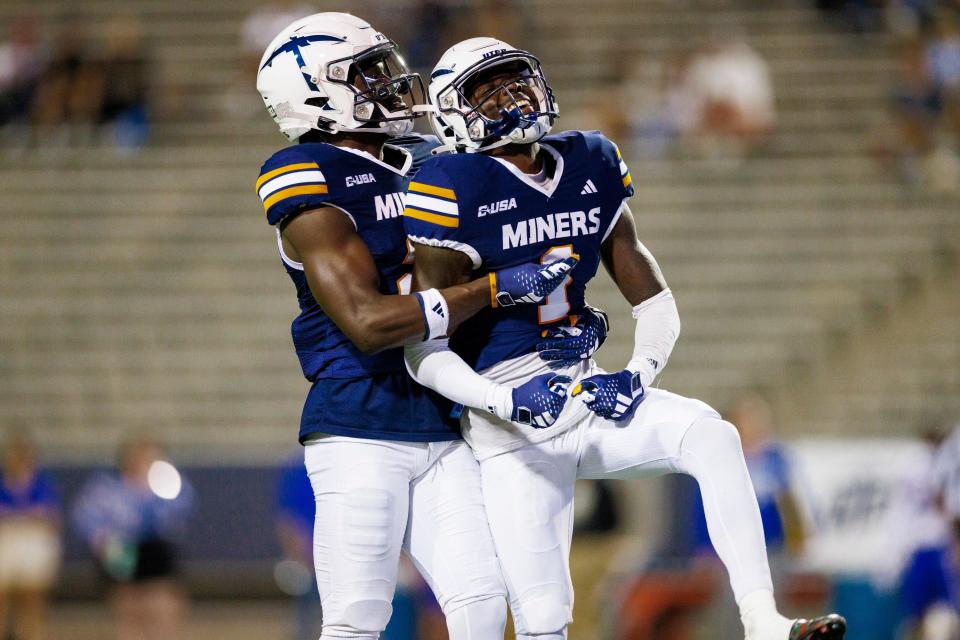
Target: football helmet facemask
334,72
486,94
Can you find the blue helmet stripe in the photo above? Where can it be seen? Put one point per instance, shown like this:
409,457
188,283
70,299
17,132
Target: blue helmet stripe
294,47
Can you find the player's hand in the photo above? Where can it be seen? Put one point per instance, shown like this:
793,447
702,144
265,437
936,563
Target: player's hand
566,345
539,401
528,283
613,396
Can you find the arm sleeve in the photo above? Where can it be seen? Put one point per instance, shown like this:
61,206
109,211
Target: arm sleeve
290,182
658,327
434,365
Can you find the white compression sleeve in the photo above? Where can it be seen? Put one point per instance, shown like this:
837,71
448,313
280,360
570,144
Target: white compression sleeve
434,365
658,327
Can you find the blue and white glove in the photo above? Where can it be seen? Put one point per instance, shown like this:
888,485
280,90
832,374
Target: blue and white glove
613,396
528,283
564,346
539,401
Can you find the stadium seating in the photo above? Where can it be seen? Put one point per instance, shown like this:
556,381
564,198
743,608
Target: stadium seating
144,290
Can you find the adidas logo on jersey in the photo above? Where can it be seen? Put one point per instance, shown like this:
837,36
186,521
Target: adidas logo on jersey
588,188
496,207
363,178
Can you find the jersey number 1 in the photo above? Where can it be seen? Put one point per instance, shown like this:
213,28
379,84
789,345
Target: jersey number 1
555,306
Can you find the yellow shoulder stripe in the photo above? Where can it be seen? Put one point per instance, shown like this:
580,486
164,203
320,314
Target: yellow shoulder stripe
627,180
290,192
419,187
282,170
426,216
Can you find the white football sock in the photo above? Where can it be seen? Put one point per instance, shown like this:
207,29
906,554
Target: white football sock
761,620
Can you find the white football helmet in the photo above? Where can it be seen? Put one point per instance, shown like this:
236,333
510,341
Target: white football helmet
334,72
513,102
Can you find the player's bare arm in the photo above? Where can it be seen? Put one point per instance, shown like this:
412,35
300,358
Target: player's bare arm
632,267
439,267
344,280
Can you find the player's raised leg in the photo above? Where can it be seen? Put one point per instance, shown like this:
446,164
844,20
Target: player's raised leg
362,495
529,498
670,433
448,540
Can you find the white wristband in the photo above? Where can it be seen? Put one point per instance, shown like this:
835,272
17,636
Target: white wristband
436,316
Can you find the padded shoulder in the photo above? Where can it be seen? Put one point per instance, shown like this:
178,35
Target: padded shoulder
292,181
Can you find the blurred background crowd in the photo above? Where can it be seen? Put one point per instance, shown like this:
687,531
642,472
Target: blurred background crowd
797,176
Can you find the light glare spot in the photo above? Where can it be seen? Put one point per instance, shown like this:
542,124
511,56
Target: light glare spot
164,480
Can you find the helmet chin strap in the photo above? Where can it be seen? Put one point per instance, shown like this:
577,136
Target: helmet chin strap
527,133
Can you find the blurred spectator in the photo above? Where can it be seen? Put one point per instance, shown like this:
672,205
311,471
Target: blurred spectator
29,539
121,99
730,85
22,61
61,89
295,515
89,90
922,147
132,521
917,108
925,550
769,467
942,56
654,107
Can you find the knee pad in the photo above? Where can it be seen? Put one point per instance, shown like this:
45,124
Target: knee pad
478,619
359,619
712,435
544,615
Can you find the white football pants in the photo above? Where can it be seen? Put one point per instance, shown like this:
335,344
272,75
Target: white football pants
529,498
375,497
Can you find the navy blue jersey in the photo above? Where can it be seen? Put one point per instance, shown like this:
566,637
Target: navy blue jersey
498,217
371,193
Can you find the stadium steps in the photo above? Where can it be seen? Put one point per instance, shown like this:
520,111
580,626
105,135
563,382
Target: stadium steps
145,291
903,369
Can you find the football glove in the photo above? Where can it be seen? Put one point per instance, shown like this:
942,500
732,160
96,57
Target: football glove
613,396
565,346
528,283
539,401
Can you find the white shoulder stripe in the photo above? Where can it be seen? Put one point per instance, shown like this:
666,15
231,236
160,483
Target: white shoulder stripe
623,168
430,203
287,179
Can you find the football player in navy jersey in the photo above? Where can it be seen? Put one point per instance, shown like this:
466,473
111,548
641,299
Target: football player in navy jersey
388,469
512,194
